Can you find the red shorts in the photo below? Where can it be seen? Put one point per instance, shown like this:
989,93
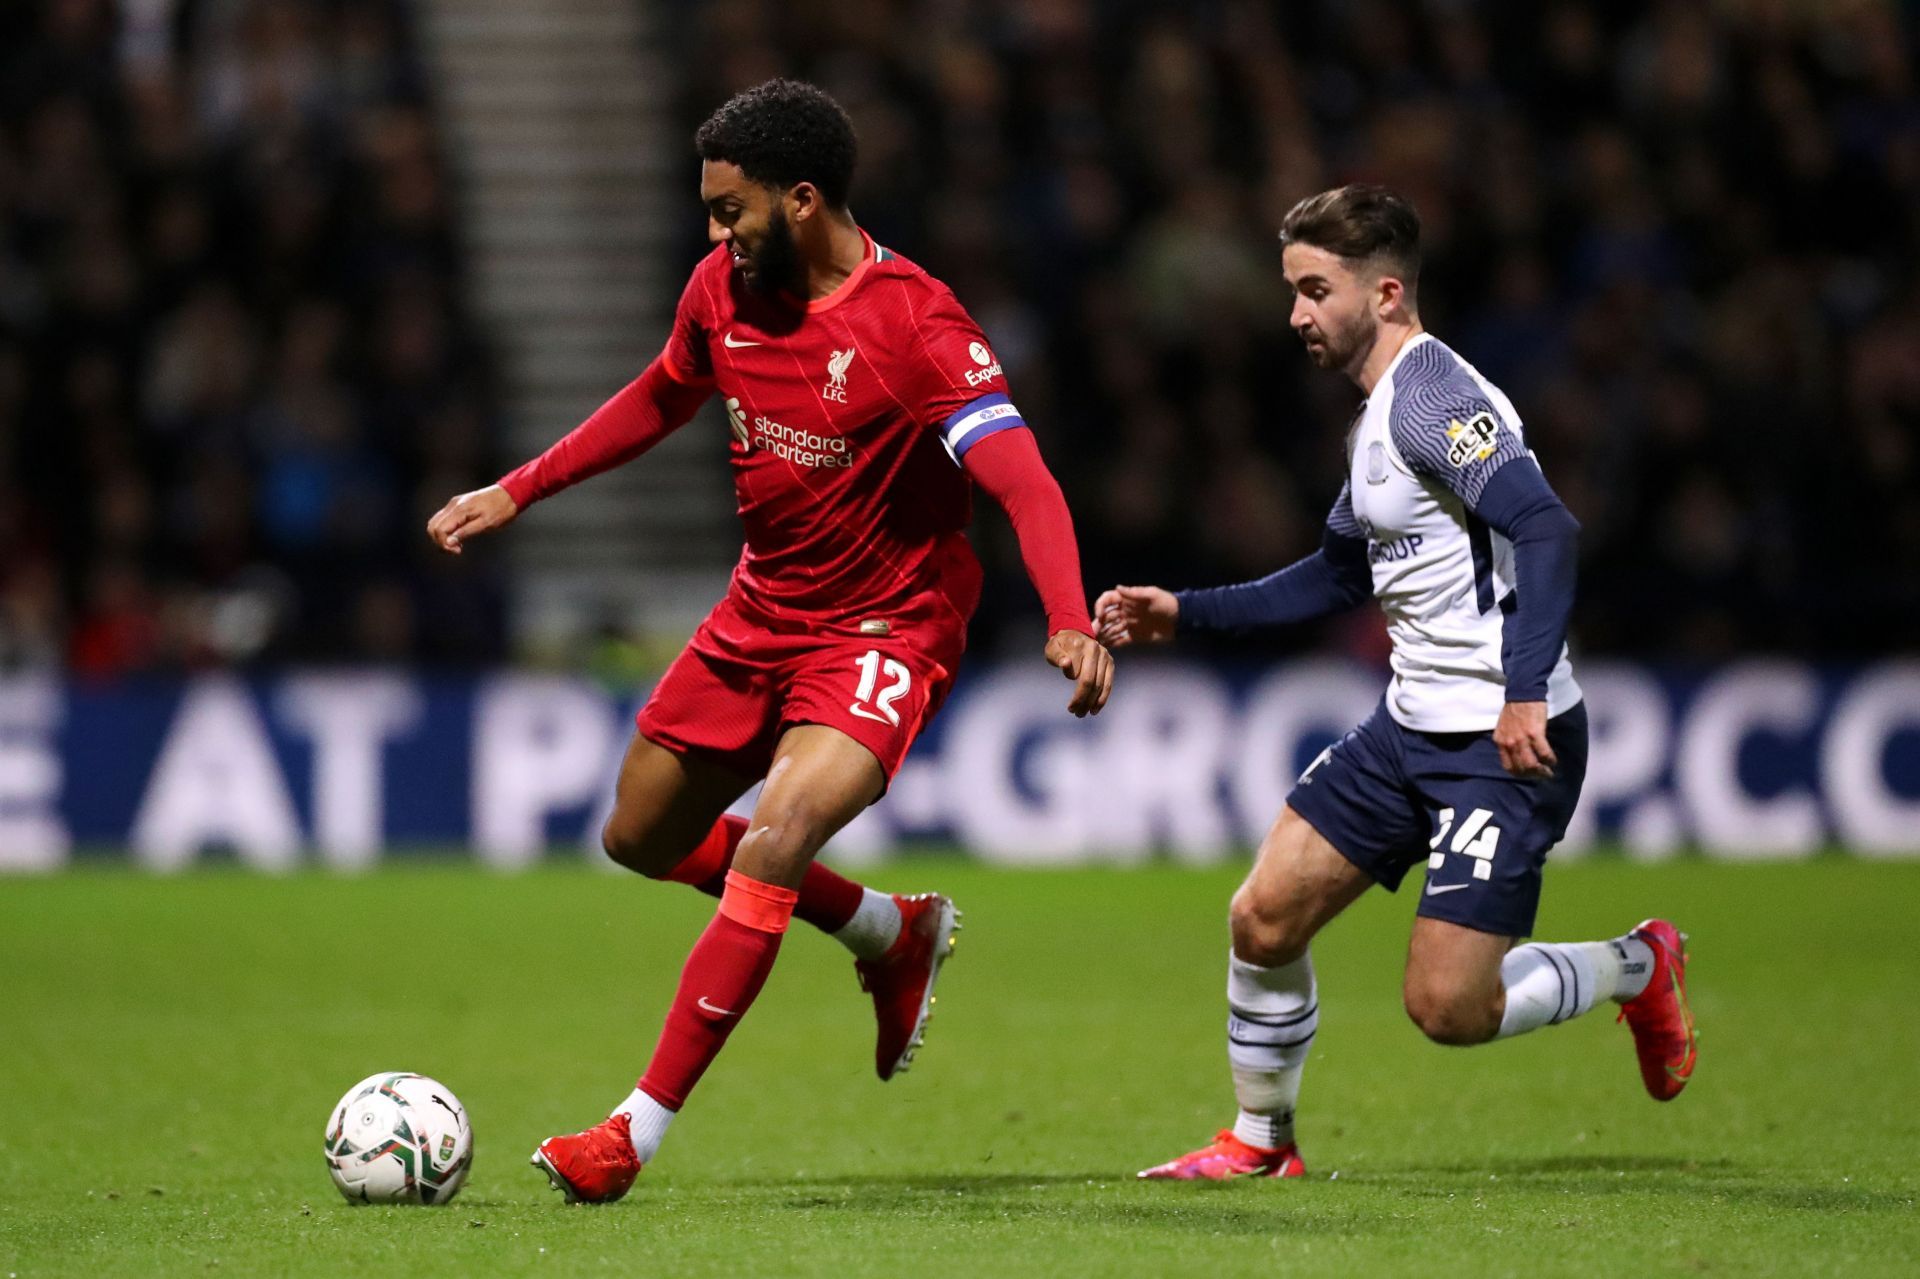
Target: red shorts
747,676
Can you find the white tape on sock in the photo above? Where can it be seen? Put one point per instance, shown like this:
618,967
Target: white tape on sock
874,927
647,1120
1272,1016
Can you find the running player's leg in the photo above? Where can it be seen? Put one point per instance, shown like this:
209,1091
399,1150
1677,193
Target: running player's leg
881,691
1452,988
1297,886
1464,986
821,779
710,727
1468,979
1349,823
1299,882
670,822
666,807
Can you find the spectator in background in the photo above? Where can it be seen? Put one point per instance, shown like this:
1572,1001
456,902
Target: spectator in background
1684,235
232,344
233,354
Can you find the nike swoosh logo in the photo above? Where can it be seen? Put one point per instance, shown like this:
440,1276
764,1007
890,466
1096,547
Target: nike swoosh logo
728,342
728,1012
1434,890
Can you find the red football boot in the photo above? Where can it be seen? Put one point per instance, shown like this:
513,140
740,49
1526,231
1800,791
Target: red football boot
1664,1035
1226,1158
592,1167
901,981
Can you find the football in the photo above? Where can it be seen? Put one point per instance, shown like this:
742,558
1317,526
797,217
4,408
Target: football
399,1138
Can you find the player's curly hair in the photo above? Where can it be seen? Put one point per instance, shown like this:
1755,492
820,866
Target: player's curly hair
1359,222
782,133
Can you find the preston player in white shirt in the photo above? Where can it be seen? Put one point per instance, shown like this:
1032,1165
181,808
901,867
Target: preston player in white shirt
1473,761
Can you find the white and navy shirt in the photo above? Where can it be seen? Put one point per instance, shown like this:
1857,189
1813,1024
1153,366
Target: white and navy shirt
1428,440
1445,519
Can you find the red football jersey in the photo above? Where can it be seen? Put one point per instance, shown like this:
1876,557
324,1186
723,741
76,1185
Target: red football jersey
849,415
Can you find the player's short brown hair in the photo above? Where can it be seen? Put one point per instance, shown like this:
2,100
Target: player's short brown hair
1360,223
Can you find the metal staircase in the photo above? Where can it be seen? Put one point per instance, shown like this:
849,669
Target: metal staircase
573,183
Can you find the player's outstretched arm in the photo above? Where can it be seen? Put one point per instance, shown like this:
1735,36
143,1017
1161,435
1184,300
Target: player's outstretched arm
1334,578
640,415
1008,466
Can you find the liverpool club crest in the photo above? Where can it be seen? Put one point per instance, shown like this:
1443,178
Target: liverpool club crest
836,387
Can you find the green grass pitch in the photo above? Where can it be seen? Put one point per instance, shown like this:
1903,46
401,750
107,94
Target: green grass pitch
171,1048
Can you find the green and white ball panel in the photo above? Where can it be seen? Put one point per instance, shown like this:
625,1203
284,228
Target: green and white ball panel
398,1137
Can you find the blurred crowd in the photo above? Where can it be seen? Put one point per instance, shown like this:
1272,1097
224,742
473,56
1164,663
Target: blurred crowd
236,371
234,365
1681,235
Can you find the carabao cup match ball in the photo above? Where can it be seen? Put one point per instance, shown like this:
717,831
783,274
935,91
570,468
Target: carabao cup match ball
399,1138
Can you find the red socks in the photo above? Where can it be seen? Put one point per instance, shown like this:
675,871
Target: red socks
827,900
725,972
706,866
730,962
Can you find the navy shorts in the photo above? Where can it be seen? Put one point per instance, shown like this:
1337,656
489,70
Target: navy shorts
1387,797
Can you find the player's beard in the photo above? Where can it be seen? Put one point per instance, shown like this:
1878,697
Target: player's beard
1340,348
775,260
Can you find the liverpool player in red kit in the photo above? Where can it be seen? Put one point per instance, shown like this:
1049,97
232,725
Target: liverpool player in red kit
864,404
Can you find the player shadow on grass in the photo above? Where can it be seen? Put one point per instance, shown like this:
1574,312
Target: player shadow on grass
1124,1202
939,1183
1676,1175
999,1198
1565,1165
997,1195
1520,1169
1669,1175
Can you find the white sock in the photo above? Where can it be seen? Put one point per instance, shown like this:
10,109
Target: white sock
1636,968
874,928
647,1120
1272,1015
1551,982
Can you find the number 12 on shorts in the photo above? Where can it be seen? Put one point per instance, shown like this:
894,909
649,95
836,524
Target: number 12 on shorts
1477,838
871,666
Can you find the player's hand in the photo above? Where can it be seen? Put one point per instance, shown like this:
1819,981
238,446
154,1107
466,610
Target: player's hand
1088,665
470,515
1521,737
1136,615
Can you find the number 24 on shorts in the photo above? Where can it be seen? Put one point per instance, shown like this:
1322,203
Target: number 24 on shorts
881,711
1477,837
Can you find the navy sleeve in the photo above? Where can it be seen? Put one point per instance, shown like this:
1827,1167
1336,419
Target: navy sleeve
1447,429
1341,519
1517,501
1335,577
